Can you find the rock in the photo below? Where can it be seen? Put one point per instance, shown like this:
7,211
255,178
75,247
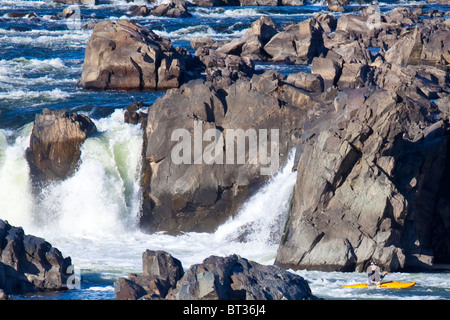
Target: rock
132,115
368,188
121,55
83,2
67,12
251,44
329,70
194,194
236,278
216,3
175,9
139,11
327,22
292,2
223,69
162,265
161,273
439,1
21,14
125,289
355,75
55,141
258,2
298,43
337,5
29,264
308,81
444,105
353,24
203,42
421,46
353,52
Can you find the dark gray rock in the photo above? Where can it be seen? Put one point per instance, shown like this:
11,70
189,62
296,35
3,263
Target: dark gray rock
236,278
29,264
160,273
364,189
55,142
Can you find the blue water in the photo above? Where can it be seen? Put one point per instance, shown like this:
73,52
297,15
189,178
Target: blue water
40,64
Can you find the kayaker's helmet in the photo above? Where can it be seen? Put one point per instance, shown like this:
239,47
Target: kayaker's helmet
373,263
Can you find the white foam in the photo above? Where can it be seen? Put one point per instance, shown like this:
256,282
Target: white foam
41,38
15,185
46,95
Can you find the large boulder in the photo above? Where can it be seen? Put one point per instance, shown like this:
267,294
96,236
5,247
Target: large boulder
29,264
236,278
421,46
83,2
190,182
372,186
55,142
121,55
174,9
161,272
298,43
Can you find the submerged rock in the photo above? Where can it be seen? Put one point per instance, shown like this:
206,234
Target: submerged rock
29,264
55,143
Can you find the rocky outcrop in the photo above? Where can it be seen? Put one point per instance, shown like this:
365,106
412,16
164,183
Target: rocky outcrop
216,278
364,189
371,129
196,185
174,9
224,3
55,142
121,55
29,264
251,44
83,2
371,187
298,43
236,278
160,273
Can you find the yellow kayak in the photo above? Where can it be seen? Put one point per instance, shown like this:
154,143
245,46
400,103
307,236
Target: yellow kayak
389,285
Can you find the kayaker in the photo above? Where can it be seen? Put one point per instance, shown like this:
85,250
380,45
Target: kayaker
374,274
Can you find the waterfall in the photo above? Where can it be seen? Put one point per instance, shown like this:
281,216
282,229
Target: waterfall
93,215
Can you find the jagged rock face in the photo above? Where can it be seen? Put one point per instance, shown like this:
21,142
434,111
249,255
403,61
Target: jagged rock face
55,143
28,263
199,196
216,278
372,187
161,272
236,278
121,55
